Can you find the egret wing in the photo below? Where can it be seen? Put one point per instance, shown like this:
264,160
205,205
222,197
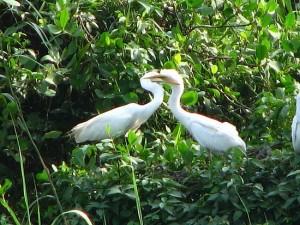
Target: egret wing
107,125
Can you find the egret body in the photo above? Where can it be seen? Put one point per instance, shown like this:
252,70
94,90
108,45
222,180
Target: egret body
214,135
119,121
296,127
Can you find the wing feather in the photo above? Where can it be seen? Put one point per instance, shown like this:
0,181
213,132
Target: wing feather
109,124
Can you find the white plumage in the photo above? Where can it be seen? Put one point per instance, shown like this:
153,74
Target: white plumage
215,135
296,126
119,121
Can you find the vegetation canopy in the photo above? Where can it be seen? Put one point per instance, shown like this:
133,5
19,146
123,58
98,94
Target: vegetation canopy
63,62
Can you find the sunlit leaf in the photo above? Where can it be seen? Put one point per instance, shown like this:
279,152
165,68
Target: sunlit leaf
4,187
214,69
105,39
272,6
64,18
290,21
177,58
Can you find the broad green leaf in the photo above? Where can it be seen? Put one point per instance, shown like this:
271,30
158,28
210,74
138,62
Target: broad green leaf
290,21
12,2
114,190
206,10
266,43
214,69
190,98
104,39
177,58
52,134
130,97
132,137
64,18
272,6
119,43
266,20
42,176
169,65
12,107
261,52
194,3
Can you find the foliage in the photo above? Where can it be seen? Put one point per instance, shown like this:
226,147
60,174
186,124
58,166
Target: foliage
63,61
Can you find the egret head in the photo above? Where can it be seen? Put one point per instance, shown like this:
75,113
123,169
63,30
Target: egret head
170,76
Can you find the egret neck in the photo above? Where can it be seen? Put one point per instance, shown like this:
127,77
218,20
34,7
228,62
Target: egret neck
298,106
174,102
158,96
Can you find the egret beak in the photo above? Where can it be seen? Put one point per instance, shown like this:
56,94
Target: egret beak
157,77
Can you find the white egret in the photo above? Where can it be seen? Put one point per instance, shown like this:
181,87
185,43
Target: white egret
296,126
214,135
119,121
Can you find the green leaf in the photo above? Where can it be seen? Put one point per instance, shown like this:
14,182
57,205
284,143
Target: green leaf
290,21
190,98
53,29
237,215
261,52
42,176
169,65
266,20
12,107
132,137
206,10
12,2
52,134
119,43
177,58
194,3
64,18
130,97
4,187
114,190
272,6
214,69
104,39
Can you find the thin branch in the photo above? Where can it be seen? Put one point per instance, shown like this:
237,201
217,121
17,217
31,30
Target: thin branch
220,26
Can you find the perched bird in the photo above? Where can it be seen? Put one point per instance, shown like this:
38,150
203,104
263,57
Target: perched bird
210,133
296,127
119,121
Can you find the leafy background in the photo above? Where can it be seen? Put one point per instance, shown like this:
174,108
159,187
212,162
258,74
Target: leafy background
63,62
